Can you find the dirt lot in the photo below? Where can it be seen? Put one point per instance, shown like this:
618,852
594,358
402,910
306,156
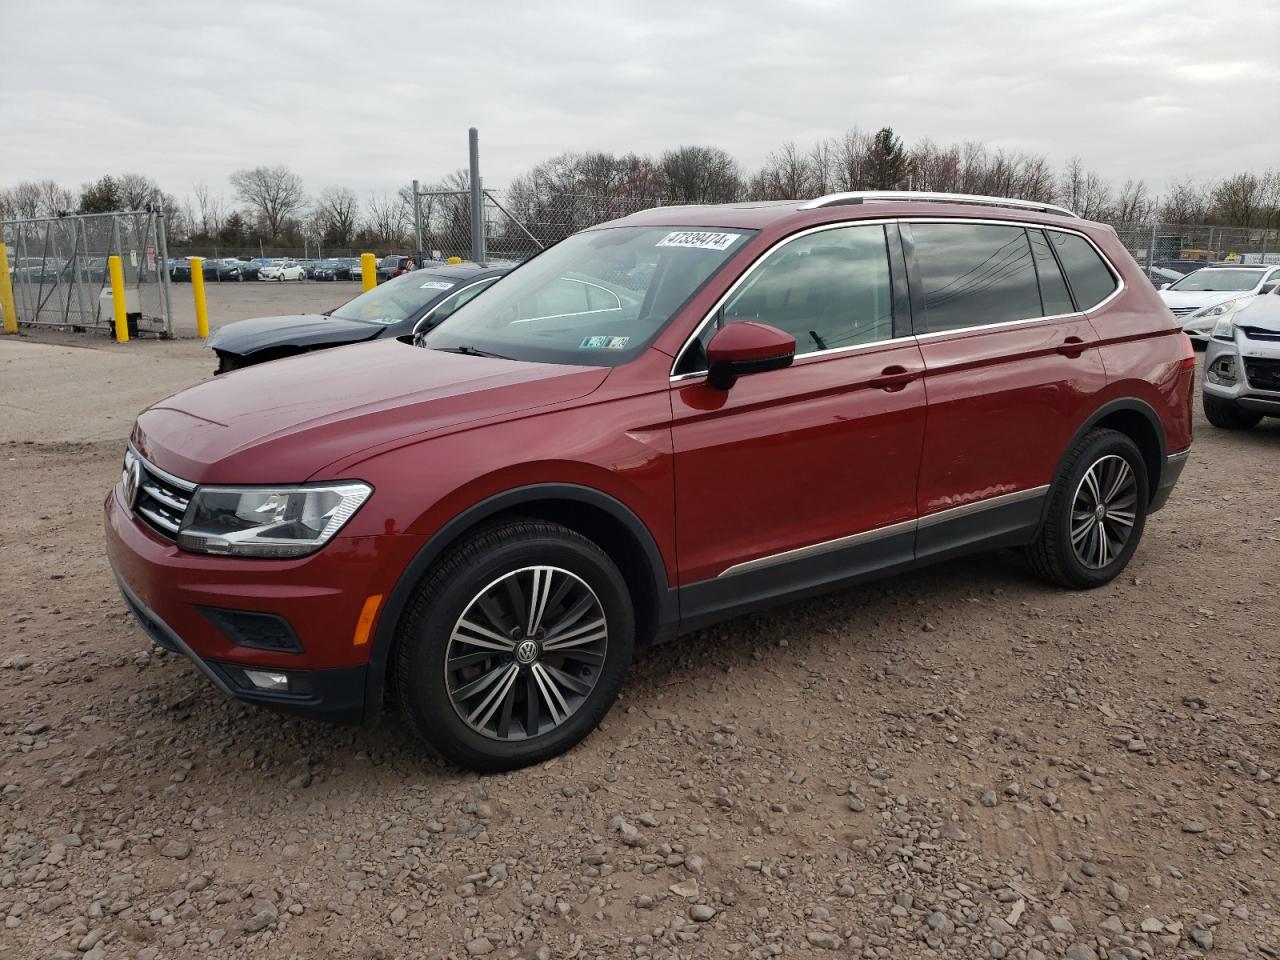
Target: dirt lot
960,763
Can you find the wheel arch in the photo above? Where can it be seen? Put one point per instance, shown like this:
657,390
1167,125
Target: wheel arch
592,513
1137,420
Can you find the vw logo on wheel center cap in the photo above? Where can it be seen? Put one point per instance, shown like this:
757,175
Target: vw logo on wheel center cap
527,651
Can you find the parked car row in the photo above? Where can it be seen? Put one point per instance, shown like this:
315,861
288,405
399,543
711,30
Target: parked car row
1201,298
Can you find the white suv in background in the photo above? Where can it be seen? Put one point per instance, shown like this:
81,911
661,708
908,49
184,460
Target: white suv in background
1200,299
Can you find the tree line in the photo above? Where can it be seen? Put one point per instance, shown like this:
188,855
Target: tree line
271,204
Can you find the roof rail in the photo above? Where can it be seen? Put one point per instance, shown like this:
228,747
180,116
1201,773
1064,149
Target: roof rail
862,196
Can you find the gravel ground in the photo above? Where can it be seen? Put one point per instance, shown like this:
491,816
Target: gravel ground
961,762
228,302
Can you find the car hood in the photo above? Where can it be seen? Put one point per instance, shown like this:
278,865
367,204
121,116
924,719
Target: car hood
1200,299
308,329
282,422
1262,314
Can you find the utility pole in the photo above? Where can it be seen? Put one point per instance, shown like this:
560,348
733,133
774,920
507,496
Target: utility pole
477,200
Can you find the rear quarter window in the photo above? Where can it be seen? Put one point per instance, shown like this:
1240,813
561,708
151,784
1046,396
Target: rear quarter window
975,275
1091,279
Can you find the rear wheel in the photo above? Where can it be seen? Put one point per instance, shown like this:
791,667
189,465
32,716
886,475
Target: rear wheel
1097,512
1229,415
515,645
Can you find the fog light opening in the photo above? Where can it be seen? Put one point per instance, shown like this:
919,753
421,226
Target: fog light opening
1223,371
268,680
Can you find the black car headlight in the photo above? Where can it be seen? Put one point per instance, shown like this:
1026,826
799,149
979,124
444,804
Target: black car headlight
270,522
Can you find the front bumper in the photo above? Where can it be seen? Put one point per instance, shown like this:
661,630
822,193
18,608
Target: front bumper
1242,392
181,600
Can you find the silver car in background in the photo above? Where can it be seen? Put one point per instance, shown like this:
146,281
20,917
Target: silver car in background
1200,299
1242,365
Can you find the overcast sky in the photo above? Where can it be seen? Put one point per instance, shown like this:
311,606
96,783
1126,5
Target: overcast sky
372,95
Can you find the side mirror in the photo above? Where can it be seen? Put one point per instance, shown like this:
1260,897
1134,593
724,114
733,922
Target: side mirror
745,347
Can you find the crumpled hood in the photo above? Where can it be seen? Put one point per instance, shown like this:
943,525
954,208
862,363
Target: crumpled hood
303,330
283,421
1199,299
1263,314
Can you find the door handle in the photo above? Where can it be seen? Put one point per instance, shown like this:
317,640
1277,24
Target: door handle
1072,347
893,378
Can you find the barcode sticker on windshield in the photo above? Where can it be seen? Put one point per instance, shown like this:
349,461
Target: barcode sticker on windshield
699,240
436,285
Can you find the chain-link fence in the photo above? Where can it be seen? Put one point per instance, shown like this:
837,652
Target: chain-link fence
1151,243
515,227
60,274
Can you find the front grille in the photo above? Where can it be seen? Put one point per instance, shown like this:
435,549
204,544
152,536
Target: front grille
1257,333
161,500
1262,374
1183,311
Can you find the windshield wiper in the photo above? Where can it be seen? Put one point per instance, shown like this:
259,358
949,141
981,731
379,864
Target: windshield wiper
469,351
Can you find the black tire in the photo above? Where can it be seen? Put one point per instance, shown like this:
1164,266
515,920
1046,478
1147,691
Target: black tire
1053,556
444,596
1229,415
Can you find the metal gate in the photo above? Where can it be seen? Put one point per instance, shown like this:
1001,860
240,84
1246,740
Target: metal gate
60,275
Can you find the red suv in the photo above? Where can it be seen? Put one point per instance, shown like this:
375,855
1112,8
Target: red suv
656,424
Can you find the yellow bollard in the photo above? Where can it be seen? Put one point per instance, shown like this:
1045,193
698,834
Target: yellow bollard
368,271
116,272
197,291
6,294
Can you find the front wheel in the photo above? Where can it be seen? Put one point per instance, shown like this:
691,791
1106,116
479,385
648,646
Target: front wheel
514,646
1229,415
1097,512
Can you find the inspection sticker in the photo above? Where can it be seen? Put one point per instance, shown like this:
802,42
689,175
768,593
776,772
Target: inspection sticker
436,285
604,343
699,240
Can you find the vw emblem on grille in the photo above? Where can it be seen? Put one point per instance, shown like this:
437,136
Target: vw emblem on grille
527,652
132,482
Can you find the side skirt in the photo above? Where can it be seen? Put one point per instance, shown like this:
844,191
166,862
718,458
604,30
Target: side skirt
1005,521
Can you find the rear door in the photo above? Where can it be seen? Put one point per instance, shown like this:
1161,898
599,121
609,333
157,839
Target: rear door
1011,366
803,476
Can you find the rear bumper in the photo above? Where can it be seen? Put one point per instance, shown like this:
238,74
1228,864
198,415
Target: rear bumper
1173,465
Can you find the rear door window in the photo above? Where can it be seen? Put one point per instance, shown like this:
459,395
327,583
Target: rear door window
974,274
1091,279
1055,297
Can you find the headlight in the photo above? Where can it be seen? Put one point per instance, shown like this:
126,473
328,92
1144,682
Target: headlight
1224,329
267,522
1218,309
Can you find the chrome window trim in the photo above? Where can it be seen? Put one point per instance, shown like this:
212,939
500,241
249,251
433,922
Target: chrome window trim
820,228
156,471
1121,286
880,533
430,313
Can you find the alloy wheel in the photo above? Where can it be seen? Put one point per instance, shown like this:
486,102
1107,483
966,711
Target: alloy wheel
526,653
1103,511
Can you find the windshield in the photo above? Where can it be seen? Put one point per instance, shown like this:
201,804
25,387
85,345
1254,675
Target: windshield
397,299
596,298
1218,281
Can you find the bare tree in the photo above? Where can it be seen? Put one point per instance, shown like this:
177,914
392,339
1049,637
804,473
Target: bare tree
697,174
850,160
1084,191
1133,204
337,211
1186,202
786,175
211,210
385,220
1245,199
138,191
274,193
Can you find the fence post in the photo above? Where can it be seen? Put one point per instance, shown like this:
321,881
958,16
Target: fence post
117,298
162,265
6,294
477,199
417,224
1151,250
197,291
368,271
